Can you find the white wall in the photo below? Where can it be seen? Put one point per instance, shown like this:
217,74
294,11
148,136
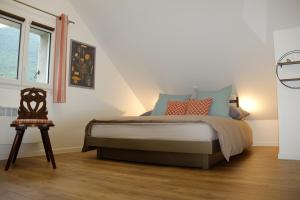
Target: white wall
111,97
288,99
173,45
265,132
163,46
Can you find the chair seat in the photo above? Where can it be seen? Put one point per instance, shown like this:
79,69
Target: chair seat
32,122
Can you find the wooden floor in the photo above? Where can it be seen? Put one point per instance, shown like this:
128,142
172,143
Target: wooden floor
257,174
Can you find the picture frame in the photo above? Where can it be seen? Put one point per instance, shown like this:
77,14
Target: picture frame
82,65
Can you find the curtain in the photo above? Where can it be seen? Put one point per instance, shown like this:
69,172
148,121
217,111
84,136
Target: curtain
60,60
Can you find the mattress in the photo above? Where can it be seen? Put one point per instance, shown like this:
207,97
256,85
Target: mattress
165,131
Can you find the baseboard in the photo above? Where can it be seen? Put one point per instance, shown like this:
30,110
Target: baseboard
266,144
42,152
289,156
67,150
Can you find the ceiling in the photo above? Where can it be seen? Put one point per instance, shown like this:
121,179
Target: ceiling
173,46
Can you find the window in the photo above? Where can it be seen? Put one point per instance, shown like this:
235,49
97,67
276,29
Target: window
38,56
10,34
25,51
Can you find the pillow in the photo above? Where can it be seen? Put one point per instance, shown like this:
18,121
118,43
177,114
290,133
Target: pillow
238,113
176,107
199,107
148,113
220,106
161,104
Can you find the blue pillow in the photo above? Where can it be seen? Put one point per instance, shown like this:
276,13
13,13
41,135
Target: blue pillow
220,105
161,104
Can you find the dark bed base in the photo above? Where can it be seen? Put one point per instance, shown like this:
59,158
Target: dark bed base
199,154
204,161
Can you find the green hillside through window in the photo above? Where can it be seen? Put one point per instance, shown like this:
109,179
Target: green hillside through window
9,52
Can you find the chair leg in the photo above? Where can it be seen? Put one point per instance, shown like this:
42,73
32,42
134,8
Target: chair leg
44,131
45,146
12,151
18,144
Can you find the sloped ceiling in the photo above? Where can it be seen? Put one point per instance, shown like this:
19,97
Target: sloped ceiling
174,46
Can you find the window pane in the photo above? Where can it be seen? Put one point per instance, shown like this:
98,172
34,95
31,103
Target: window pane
38,56
10,33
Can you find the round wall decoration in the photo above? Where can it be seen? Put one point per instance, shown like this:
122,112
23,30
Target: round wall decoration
288,69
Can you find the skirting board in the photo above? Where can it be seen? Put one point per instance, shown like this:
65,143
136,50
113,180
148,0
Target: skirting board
41,152
289,156
265,144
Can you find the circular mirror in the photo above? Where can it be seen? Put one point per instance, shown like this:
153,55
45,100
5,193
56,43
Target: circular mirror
288,69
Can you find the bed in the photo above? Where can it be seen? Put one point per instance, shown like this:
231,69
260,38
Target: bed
190,141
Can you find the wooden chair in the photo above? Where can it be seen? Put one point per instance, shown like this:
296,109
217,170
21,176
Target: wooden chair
32,113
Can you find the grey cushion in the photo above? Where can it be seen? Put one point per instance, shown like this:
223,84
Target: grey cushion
238,113
148,113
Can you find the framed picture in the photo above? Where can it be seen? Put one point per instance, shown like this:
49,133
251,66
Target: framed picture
82,65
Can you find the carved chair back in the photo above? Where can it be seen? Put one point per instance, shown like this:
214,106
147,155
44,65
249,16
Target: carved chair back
33,104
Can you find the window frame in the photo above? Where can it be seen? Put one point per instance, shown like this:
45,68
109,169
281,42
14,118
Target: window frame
51,52
23,55
17,81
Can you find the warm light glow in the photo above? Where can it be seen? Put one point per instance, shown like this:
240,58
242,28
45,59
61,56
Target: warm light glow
249,105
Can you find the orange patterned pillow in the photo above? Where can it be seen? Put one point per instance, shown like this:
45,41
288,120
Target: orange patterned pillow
176,107
198,107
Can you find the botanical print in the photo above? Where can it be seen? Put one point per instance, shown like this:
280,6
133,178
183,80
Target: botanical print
82,71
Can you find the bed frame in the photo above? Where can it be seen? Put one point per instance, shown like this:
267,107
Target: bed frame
176,153
165,152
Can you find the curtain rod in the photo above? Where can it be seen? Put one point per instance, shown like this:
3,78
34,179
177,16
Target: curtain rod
25,4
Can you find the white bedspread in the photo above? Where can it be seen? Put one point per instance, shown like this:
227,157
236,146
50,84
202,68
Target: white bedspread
177,132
